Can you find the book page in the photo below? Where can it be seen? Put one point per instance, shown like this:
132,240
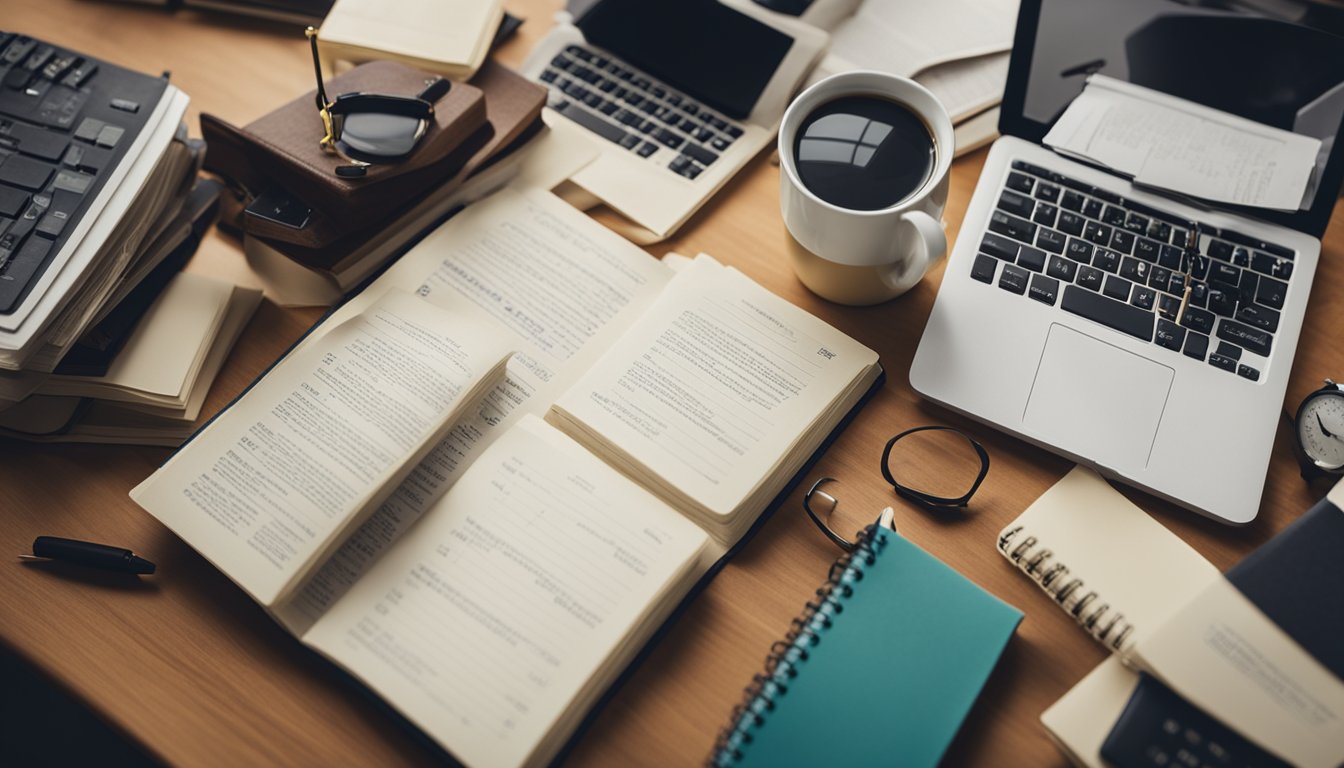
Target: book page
484,623
712,388
563,286
905,37
268,487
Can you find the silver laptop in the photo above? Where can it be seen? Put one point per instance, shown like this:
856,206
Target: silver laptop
1057,316
674,96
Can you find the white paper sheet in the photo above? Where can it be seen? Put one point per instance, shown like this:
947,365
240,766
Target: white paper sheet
1169,143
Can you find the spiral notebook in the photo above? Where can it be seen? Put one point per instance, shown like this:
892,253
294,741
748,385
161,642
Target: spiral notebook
1118,572
896,643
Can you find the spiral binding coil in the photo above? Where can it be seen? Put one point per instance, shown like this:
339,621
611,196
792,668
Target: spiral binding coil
1108,626
787,655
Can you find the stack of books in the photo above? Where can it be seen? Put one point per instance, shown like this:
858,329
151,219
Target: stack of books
105,340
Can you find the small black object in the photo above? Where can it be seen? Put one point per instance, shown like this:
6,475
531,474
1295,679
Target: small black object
352,171
90,554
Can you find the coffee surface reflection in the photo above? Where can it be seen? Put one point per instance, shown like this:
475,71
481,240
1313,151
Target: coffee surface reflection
863,153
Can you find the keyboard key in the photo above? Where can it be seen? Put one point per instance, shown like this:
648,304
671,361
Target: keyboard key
999,247
1159,230
1106,259
548,76
1246,290
1170,335
700,154
1061,269
1171,257
1229,350
1090,278
1044,289
1123,241
1148,250
1254,339
1168,306
1048,192
1015,204
1012,226
734,131
1071,223
1262,263
1136,223
720,143
1072,201
1051,240
1198,320
1224,273
1271,293
608,108
1020,182
1079,250
629,141
668,138
1014,278
591,122
593,100
25,172
1031,258
1225,363
983,268
1283,269
1113,216
1113,314
1133,269
1247,372
1092,208
1117,287
1045,214
1196,345
1241,257
47,145
1222,299
12,201
1199,295
1097,233
1219,249
1143,297
1159,277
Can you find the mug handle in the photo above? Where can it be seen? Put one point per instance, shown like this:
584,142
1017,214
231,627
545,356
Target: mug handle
932,246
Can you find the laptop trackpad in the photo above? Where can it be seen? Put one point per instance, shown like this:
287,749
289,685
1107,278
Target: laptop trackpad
1096,400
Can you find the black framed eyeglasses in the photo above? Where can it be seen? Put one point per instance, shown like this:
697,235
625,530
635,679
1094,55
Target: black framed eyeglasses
940,468
367,128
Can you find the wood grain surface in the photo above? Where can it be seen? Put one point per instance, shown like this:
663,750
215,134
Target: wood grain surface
196,673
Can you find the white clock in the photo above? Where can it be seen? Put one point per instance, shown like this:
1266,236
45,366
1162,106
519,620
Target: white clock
1320,431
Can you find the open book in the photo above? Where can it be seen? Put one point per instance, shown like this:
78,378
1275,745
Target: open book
492,579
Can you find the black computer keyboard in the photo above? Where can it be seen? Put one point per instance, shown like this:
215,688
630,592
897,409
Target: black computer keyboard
633,109
66,120
1121,263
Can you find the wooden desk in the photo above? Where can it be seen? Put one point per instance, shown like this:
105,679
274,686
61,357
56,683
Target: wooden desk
193,670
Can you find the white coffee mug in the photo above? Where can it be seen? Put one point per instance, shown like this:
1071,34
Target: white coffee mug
864,257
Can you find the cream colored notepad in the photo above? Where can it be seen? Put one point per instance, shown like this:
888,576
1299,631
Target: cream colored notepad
450,37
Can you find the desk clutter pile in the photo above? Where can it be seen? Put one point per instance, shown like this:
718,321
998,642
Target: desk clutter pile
518,445
101,338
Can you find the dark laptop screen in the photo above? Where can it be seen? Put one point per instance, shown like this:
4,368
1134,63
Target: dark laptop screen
1278,62
712,52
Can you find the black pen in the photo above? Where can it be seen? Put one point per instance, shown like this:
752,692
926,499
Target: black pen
88,553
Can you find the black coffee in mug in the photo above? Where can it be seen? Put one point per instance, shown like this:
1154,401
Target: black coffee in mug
864,153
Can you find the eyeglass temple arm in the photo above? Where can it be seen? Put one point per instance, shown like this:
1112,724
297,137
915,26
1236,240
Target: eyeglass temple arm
317,69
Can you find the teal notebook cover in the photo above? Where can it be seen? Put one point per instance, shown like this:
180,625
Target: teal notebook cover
883,672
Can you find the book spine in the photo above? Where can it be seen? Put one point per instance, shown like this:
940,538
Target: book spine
1092,613
787,656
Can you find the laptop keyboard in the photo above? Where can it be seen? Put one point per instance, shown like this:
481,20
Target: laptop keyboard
633,109
1063,242
66,120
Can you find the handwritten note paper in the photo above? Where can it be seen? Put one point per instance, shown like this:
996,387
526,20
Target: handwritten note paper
1173,144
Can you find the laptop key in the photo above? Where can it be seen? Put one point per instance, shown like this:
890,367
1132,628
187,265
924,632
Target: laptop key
1106,259
25,172
1123,241
1012,226
1143,297
1148,250
1020,182
699,154
1229,350
1271,292
1031,258
1133,269
1051,240
1092,209
1014,279
1241,257
1283,268
1079,250
1198,319
1071,223
1061,269
1072,201
1222,299
1097,233
1223,362
591,122
1045,214
999,247
647,148
1113,216
1090,278
1247,372
1159,277
1196,345
1159,230
1136,223
1044,289
1016,204
1168,306
1110,313
1117,288
983,268
12,201
1254,339
1170,335
1048,192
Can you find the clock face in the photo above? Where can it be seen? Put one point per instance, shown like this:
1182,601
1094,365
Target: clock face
1320,428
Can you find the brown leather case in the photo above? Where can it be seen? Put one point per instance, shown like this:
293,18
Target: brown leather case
281,148
513,107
